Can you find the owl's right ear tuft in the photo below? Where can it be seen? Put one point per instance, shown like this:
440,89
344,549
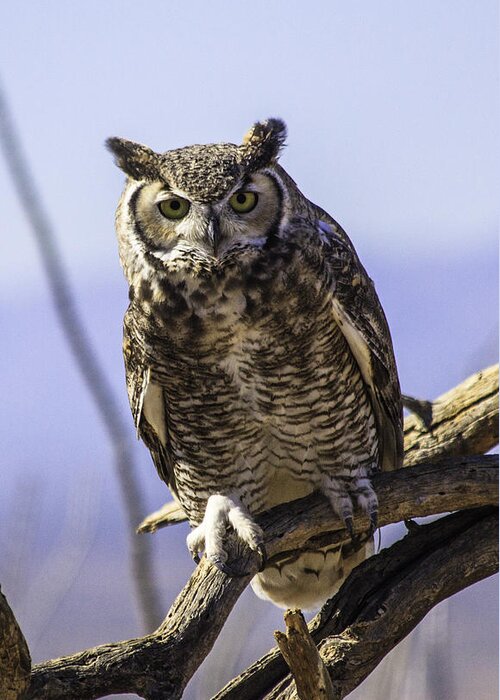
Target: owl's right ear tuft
137,161
262,143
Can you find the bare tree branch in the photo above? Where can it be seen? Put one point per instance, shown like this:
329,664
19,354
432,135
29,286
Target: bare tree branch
312,680
169,514
383,600
15,662
450,555
86,360
158,665
464,421
164,661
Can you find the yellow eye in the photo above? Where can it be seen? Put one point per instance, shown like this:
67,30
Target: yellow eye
243,202
174,208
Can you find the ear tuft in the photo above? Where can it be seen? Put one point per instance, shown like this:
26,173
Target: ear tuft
137,161
262,143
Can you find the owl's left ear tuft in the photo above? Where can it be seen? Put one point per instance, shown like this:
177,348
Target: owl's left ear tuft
137,161
262,143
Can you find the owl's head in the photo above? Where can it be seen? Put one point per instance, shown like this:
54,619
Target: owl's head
205,199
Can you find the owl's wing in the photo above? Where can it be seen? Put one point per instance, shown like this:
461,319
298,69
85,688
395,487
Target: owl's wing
146,401
357,310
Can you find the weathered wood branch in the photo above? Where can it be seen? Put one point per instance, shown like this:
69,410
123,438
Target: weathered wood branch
447,556
160,664
464,421
418,491
301,654
382,601
15,661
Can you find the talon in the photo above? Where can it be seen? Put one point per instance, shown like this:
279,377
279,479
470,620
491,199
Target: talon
196,557
261,551
348,523
411,525
373,521
225,568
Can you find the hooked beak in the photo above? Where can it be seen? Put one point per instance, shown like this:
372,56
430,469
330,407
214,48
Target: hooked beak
213,234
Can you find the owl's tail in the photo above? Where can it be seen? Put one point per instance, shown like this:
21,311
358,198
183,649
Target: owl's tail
306,580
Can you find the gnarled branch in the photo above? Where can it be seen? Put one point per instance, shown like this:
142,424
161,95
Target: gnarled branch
382,601
311,677
464,421
160,664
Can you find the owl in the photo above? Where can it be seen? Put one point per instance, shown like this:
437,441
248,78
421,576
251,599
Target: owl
259,362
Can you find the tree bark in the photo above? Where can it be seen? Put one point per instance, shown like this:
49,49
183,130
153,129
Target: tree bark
297,647
15,661
382,601
464,421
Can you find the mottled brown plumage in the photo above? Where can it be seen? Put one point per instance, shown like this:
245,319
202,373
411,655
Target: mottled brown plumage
259,362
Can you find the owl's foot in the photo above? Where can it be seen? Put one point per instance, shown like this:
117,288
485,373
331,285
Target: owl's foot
340,493
223,512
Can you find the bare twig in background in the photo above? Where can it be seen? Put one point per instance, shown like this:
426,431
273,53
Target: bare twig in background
86,360
438,667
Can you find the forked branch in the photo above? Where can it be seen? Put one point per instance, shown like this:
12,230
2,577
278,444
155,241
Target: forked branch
159,665
382,601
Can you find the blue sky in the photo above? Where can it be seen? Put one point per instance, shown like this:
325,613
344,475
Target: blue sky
392,109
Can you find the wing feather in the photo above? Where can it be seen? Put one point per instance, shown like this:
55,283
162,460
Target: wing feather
357,310
147,401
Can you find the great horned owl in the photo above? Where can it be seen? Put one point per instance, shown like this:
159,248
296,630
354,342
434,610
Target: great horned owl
258,358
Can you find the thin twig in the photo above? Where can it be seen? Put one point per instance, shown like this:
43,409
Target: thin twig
85,357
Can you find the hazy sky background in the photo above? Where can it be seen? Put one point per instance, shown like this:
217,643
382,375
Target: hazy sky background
392,109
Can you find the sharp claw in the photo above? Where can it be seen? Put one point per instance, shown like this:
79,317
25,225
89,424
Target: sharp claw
261,551
411,525
348,522
373,521
196,557
225,568
229,571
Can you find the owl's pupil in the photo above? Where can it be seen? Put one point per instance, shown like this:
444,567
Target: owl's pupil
175,204
241,198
